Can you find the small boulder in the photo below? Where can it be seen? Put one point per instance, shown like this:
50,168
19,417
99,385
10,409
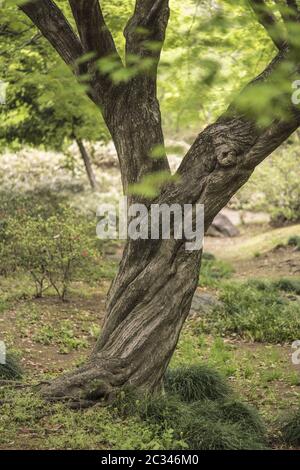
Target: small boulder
222,227
204,303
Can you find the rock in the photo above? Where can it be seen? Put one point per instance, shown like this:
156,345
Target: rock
222,227
249,218
204,303
233,215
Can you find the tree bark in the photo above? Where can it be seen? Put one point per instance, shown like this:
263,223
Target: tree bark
87,164
151,295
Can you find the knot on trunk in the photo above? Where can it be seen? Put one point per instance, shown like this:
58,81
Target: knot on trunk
227,158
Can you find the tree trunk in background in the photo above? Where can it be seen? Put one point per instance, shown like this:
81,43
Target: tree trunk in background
87,164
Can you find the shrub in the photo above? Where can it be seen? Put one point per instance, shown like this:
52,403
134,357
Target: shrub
274,187
290,429
163,409
196,382
294,241
222,425
244,414
208,256
11,369
53,251
288,285
201,433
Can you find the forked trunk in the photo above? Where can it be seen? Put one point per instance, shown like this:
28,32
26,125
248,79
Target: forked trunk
151,295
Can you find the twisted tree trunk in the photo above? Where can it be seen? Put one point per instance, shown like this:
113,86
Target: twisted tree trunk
151,296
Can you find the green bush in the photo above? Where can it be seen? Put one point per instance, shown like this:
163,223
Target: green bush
222,425
290,429
274,186
247,416
204,434
53,250
256,311
11,369
294,241
165,409
288,285
196,382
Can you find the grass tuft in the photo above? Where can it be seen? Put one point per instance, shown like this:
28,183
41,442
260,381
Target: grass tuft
294,241
247,416
288,285
11,369
196,382
201,433
291,429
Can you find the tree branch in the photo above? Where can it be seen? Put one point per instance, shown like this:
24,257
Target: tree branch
148,24
269,22
92,29
225,154
54,26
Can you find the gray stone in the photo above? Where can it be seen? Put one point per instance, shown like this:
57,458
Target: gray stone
204,303
222,227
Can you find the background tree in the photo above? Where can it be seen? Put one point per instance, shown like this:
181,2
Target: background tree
45,105
151,295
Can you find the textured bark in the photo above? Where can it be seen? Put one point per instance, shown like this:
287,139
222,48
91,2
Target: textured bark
151,295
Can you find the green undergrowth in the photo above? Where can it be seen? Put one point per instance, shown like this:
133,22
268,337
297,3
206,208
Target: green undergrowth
213,271
257,310
10,369
28,422
200,408
290,428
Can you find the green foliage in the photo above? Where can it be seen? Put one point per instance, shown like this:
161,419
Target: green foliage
294,241
290,428
199,414
197,382
11,370
63,335
288,285
58,427
151,184
213,271
248,417
45,104
255,310
284,284
53,251
202,433
274,187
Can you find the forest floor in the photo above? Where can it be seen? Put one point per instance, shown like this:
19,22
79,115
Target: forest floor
50,337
